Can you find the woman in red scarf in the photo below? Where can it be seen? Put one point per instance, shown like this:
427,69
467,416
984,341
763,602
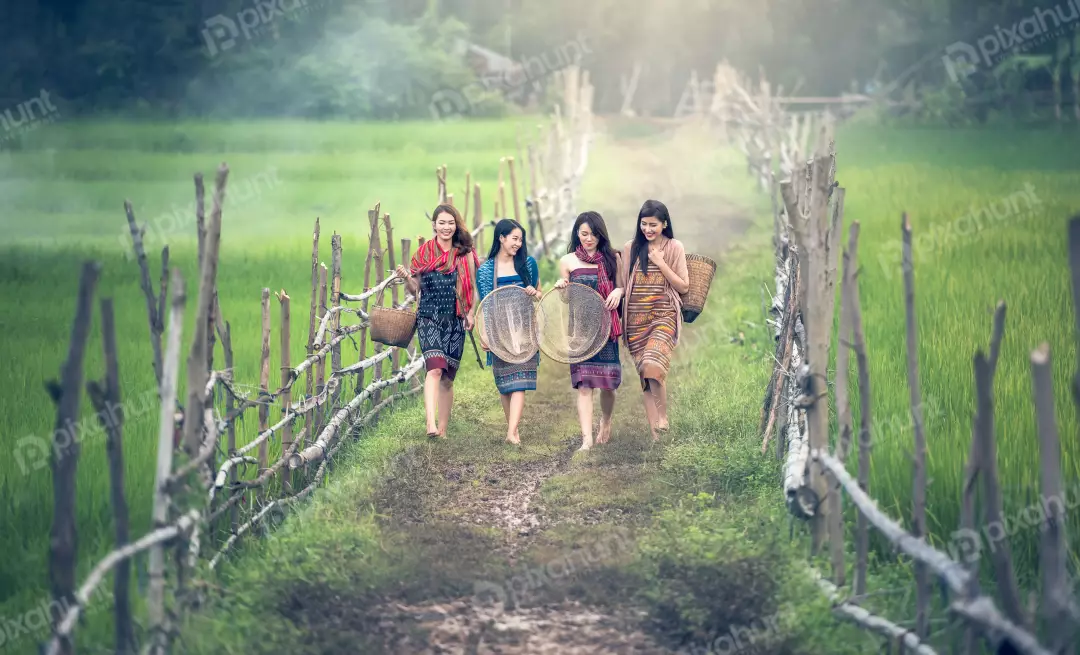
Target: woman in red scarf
443,273
590,260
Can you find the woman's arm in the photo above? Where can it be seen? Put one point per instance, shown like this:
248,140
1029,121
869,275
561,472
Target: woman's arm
534,272
678,279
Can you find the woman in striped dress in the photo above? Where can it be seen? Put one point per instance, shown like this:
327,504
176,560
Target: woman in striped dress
443,272
654,274
509,263
590,260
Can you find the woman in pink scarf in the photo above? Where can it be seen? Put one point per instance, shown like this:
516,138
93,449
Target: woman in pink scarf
590,260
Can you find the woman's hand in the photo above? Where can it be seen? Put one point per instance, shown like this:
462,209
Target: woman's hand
402,272
613,299
656,256
532,292
561,283
469,322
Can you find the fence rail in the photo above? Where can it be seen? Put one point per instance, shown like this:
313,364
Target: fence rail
808,218
197,446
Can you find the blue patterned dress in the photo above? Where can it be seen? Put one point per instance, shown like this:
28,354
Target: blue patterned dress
440,330
509,377
603,370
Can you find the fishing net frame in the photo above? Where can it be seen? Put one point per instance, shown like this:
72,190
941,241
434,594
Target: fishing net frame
599,337
497,343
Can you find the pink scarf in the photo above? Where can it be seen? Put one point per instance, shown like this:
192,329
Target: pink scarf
604,285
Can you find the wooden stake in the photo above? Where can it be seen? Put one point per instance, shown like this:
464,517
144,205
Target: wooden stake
1001,556
320,367
862,526
230,405
312,311
64,461
166,430
264,381
1053,555
380,270
918,528
514,190
286,396
503,209
105,397
464,210
395,357
335,301
152,302
478,218
200,216
373,247
198,373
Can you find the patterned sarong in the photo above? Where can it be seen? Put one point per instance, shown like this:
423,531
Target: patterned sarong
603,370
650,326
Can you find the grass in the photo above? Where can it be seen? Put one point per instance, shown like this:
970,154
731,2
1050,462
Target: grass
65,204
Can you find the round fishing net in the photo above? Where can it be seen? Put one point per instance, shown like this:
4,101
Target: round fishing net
506,323
574,324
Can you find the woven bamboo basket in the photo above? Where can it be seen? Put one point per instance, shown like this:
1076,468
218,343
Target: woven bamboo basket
392,326
702,269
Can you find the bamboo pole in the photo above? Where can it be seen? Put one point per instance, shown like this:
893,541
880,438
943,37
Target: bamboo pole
380,275
335,301
64,462
320,368
478,217
373,247
1053,555
105,397
514,189
197,371
286,396
922,582
862,360
166,430
264,379
312,311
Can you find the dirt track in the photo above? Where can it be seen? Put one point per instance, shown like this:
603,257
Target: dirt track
514,550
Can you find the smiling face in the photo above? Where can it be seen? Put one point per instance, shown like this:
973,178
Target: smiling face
445,226
511,243
651,227
588,239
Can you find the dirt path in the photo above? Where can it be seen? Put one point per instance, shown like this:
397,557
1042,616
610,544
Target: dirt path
514,550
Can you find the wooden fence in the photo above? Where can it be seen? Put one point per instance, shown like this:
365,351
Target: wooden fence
205,501
808,207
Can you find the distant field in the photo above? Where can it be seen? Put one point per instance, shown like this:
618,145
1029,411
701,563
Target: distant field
989,212
63,203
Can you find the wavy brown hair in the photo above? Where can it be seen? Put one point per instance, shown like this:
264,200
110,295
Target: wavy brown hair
462,240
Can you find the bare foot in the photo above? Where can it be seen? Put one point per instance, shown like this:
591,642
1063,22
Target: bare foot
605,434
586,444
513,439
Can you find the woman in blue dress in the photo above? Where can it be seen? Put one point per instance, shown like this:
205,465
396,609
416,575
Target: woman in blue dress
509,264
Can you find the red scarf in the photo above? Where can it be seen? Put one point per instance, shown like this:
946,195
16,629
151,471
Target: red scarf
430,257
604,285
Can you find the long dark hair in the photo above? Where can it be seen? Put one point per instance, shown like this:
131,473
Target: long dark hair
603,244
461,240
521,258
639,251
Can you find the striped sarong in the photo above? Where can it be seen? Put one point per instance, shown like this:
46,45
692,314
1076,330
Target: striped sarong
650,326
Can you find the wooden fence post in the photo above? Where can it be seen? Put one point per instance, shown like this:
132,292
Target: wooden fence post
105,397
264,384
922,582
373,246
64,460
478,217
309,419
166,431
464,210
286,396
380,275
514,190
320,366
335,301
